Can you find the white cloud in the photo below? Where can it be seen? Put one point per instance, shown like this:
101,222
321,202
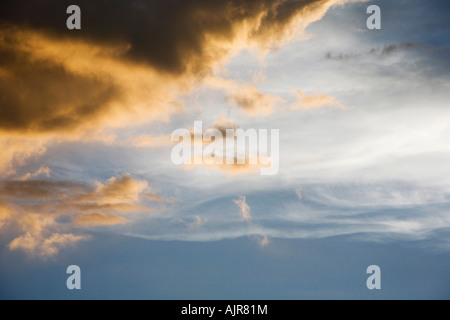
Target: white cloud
379,167
245,211
299,194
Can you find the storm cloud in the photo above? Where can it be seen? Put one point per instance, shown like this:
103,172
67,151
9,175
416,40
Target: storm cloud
57,80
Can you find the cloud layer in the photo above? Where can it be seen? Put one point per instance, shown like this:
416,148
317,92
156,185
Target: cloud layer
130,63
133,64
53,79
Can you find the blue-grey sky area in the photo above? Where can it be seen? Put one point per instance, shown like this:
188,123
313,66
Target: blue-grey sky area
116,267
86,175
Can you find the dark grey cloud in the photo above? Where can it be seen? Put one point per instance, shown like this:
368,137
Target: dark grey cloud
38,189
382,51
393,48
168,34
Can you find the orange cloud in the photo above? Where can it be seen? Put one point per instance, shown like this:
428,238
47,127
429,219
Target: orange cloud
36,207
88,85
16,151
56,85
316,101
154,197
245,96
98,219
43,170
197,223
234,169
5,214
117,191
251,165
148,141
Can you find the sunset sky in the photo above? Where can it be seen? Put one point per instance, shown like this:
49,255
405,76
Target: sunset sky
86,176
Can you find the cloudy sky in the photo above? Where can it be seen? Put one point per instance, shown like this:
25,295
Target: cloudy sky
86,175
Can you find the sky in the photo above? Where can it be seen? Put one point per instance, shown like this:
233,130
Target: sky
87,178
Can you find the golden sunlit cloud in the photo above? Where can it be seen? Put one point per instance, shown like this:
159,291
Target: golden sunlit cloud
98,219
148,141
15,152
316,101
218,159
39,238
253,102
55,83
116,191
36,208
155,198
245,96
45,247
58,86
5,214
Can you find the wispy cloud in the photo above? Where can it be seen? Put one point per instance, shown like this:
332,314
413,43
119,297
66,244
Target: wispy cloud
36,244
244,208
5,214
299,193
245,96
115,191
316,101
149,141
43,170
197,223
382,51
16,151
98,219
245,214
